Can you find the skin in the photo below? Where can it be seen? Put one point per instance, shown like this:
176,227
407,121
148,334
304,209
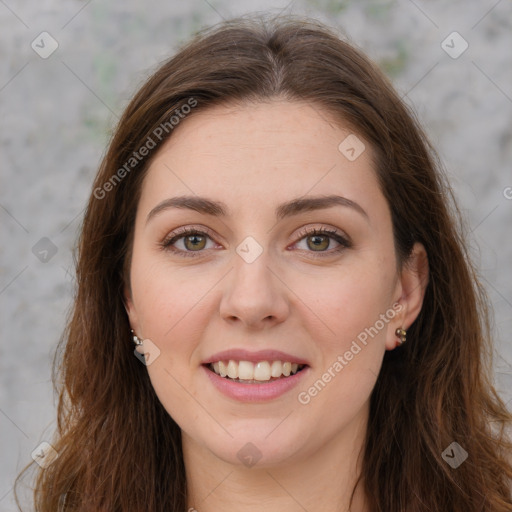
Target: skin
253,157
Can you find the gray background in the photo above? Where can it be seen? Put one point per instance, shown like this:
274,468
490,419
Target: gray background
57,113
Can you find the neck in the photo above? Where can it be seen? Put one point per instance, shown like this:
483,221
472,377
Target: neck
321,480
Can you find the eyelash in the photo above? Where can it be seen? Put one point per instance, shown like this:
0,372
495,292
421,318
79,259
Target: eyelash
166,244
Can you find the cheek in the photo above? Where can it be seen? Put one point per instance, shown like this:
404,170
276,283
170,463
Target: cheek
347,301
351,343
173,307
171,315
162,295
352,305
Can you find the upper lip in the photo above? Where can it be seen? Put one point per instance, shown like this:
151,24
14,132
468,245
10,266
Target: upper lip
239,354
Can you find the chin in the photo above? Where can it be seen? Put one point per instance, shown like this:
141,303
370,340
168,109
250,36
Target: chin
257,444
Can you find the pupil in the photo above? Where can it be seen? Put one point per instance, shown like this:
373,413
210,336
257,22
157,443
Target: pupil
193,240
317,240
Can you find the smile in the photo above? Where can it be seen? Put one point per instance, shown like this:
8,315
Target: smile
258,382
249,372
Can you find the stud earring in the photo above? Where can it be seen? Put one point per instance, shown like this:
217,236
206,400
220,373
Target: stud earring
402,335
136,339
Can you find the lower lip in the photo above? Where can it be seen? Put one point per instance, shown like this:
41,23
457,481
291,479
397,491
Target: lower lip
255,392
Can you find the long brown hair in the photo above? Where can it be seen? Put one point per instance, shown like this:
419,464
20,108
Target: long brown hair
119,450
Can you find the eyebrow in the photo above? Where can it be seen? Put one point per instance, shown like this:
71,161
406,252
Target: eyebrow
219,209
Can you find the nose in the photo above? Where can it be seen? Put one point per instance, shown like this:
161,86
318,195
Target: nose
254,294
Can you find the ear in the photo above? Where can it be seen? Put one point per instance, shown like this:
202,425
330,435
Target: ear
409,293
130,309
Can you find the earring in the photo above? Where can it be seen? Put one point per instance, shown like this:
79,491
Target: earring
402,335
136,339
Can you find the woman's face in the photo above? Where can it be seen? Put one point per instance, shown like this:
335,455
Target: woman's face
254,278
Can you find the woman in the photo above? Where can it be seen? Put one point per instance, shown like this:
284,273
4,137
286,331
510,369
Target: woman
267,375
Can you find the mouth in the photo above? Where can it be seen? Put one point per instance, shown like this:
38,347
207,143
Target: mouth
261,372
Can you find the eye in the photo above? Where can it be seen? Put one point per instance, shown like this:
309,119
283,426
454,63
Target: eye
320,239
194,241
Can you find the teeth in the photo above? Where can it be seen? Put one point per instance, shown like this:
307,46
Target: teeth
232,370
248,371
276,369
223,371
260,371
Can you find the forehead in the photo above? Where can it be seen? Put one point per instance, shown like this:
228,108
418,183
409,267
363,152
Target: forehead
250,153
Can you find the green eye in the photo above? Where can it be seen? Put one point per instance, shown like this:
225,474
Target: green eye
195,240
